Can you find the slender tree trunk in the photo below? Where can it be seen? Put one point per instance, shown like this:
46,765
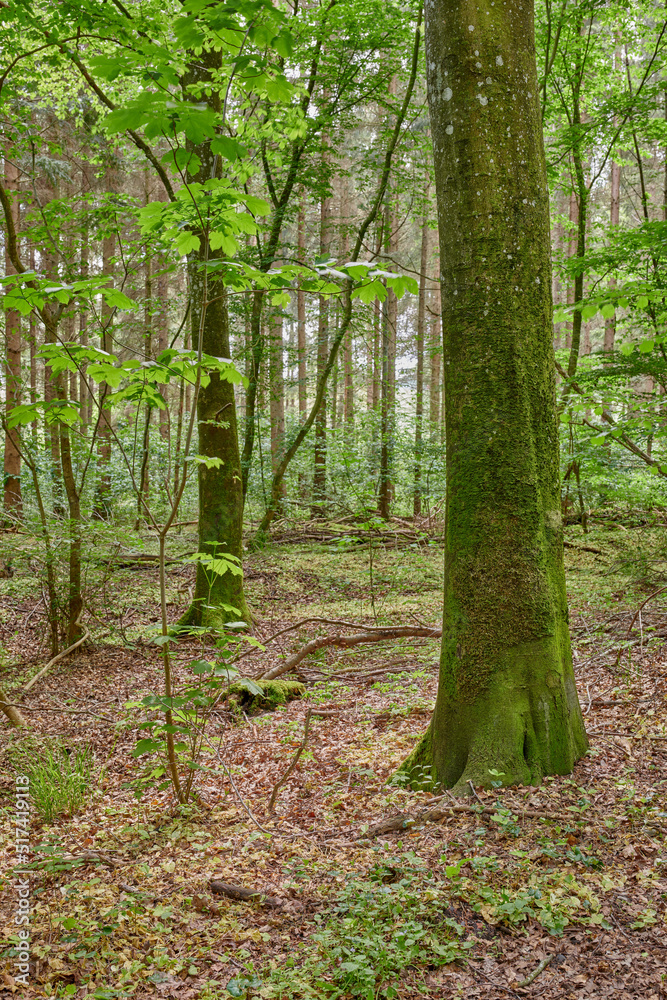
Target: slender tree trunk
12,500
50,394
144,474
301,312
348,358
276,389
614,218
84,392
162,330
320,459
102,507
419,393
388,385
507,701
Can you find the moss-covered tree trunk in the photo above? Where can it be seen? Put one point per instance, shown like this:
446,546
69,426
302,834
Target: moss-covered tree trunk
218,598
220,488
507,699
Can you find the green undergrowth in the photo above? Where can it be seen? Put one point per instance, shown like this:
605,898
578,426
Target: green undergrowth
401,916
375,929
60,776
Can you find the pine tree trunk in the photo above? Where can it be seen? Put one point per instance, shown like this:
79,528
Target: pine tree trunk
276,388
348,358
12,500
84,390
301,311
102,507
320,458
419,393
507,698
614,217
388,384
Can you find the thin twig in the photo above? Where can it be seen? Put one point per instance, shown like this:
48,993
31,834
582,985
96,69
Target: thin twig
537,972
295,759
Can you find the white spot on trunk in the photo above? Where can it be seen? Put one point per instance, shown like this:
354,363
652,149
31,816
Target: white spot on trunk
449,129
447,94
499,60
471,27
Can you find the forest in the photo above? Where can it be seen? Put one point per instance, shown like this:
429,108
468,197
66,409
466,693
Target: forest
333,540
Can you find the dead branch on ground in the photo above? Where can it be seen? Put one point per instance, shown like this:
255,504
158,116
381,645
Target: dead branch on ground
370,633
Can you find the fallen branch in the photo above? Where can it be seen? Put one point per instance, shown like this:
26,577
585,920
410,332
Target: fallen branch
12,712
636,615
58,711
295,759
582,548
433,815
537,972
241,894
370,634
52,662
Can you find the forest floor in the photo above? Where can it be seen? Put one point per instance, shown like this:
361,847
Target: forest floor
568,880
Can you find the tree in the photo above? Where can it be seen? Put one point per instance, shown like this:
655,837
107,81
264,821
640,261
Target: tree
507,700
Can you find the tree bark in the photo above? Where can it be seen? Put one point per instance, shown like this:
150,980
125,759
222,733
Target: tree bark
507,698
614,218
435,373
218,598
320,457
276,388
12,500
388,382
419,393
102,507
301,311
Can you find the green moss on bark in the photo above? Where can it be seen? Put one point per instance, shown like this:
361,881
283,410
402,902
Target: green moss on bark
274,693
506,698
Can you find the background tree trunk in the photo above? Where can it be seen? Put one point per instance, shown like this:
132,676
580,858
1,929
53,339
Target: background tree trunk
12,500
320,458
419,393
506,699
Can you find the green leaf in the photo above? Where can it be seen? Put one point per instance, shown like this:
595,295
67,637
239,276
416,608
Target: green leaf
608,310
146,746
229,148
116,299
186,243
224,242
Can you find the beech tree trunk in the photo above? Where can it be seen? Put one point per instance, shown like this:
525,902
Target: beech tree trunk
507,699
435,377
